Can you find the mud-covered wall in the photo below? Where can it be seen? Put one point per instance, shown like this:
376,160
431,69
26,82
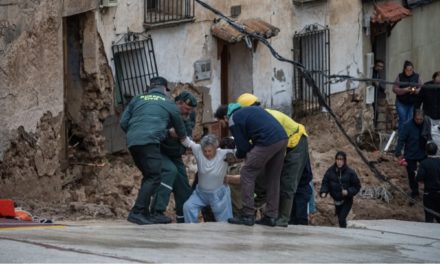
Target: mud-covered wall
93,92
31,65
43,147
31,99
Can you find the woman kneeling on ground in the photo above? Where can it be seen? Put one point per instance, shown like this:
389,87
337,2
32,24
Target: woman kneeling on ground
210,189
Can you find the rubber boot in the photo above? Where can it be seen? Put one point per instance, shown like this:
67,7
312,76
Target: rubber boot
285,208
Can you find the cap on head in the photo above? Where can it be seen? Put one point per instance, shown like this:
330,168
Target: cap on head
188,98
247,99
159,81
232,107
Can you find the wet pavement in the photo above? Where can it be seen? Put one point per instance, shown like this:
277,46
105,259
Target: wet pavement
120,241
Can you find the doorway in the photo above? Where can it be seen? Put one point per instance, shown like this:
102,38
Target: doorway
236,73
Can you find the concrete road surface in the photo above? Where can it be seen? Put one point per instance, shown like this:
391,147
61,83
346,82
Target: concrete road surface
120,241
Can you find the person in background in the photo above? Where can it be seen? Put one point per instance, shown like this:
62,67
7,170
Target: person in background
429,173
311,206
413,141
262,141
211,189
379,87
429,97
145,121
406,94
174,177
343,184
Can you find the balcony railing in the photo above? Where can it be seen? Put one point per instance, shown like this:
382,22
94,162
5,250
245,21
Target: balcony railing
168,12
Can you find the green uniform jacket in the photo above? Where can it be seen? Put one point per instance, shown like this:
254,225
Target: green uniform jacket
172,146
146,118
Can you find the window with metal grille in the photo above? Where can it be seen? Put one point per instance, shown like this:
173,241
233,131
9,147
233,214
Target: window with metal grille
160,12
135,65
311,47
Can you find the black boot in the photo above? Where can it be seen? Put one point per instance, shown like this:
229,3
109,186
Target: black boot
248,220
140,219
180,219
285,210
160,218
266,220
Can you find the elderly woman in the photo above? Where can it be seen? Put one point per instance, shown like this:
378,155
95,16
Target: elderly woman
210,189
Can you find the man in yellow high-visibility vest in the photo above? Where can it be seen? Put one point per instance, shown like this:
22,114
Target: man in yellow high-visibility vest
296,158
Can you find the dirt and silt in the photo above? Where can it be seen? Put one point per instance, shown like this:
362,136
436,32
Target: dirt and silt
107,189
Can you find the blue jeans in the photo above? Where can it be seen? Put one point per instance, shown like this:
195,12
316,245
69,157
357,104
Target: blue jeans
219,200
405,113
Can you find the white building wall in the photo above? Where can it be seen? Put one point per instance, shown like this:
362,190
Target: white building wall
344,19
177,48
416,38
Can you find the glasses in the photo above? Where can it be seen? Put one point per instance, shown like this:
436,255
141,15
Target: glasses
340,159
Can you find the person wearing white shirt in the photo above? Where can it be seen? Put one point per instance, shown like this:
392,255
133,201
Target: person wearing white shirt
211,189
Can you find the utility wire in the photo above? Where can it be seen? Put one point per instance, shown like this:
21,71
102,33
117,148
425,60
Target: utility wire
306,74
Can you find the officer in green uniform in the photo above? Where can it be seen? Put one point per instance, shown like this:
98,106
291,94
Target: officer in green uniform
145,121
174,177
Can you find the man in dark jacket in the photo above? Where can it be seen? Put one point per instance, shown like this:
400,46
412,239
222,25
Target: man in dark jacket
145,121
429,96
260,139
343,184
379,87
429,173
174,177
413,140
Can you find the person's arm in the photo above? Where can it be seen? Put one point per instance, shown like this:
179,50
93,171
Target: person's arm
232,179
242,143
187,142
196,148
419,86
400,91
355,184
176,121
325,185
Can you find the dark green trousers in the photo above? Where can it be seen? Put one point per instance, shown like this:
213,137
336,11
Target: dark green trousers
175,180
293,167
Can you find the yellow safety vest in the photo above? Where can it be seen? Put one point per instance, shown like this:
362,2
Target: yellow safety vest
293,129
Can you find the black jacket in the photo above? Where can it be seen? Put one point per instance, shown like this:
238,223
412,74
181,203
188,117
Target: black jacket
430,97
413,141
336,179
408,99
429,173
